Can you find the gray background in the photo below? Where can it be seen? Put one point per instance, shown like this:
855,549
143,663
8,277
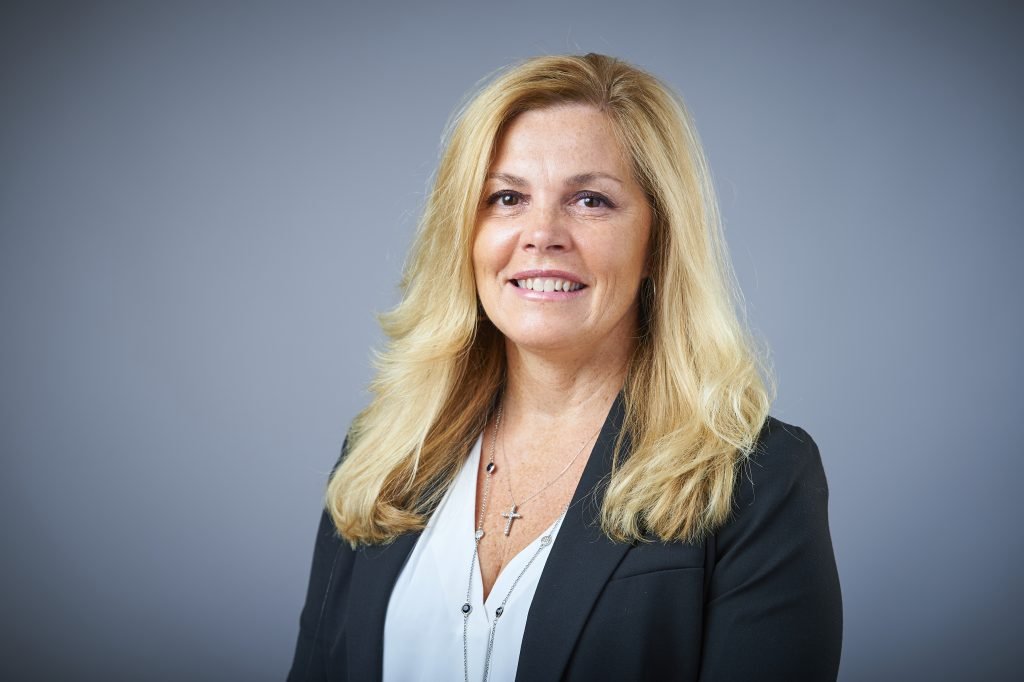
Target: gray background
203,205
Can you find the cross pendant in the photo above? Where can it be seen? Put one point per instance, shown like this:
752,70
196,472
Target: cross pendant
511,515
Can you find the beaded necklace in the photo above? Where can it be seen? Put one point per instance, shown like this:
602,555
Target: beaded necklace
478,534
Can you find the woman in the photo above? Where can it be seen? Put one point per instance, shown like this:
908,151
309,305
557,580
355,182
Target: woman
568,470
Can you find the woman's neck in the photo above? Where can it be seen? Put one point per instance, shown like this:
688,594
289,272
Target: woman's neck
554,392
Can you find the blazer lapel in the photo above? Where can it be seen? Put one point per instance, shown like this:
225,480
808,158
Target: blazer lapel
374,574
581,561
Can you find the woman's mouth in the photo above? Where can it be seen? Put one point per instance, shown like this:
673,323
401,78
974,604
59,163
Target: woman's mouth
547,284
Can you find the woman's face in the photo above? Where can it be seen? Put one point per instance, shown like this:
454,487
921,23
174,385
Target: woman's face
562,234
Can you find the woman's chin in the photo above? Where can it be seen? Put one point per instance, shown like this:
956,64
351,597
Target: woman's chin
559,342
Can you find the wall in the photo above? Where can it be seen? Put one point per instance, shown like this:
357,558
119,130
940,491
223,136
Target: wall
202,207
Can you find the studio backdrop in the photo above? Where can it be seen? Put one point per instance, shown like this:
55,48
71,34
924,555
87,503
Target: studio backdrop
203,206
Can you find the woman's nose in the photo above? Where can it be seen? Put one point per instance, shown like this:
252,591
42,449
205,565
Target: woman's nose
545,230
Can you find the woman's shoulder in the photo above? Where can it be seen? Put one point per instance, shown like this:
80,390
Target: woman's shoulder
784,454
783,472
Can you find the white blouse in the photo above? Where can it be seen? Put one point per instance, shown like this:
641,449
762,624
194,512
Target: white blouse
423,628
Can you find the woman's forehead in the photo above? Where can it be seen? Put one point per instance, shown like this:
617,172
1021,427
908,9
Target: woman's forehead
575,141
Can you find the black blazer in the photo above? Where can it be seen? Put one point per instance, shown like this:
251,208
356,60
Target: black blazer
759,600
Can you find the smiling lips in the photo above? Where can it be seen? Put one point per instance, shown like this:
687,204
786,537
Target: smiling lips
547,284
555,282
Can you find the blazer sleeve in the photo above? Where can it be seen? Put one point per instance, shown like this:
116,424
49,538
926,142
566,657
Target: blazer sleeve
773,607
309,663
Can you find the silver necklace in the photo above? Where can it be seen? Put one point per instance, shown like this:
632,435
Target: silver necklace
512,514
478,534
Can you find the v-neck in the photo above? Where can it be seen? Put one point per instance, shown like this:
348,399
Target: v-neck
432,587
514,566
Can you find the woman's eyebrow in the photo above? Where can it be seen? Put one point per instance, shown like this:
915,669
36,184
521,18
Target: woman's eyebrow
586,178
573,181
508,178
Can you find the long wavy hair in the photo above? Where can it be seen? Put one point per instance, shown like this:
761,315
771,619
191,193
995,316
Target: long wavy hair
697,390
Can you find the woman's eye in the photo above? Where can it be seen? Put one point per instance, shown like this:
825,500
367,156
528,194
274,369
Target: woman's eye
504,199
593,201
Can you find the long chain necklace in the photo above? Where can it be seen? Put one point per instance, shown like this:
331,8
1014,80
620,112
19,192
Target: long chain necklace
512,514
478,534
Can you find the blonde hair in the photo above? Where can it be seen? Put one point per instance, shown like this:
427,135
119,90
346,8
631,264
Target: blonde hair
696,393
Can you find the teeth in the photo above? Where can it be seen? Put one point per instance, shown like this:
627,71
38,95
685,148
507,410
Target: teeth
541,284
